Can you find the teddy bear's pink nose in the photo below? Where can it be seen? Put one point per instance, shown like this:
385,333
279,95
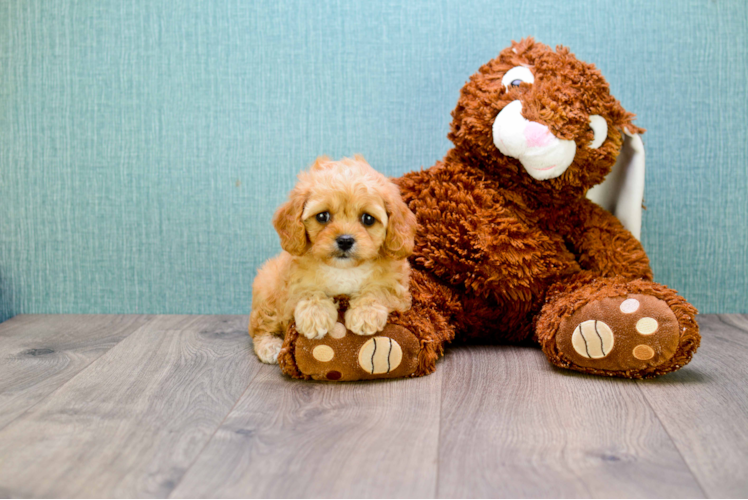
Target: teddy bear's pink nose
537,135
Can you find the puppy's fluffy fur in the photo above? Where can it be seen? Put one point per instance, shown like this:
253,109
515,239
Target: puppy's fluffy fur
334,204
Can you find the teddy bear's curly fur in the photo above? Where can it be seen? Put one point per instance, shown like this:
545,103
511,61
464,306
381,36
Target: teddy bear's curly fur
503,257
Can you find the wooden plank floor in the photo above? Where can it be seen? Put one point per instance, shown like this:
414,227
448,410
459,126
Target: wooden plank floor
177,406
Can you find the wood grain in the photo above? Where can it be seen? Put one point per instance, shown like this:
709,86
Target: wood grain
39,353
513,426
288,438
704,406
117,406
136,418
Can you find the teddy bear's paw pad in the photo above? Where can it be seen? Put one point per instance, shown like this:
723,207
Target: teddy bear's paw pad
635,332
343,355
380,355
593,339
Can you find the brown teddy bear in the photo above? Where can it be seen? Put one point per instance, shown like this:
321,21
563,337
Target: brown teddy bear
510,249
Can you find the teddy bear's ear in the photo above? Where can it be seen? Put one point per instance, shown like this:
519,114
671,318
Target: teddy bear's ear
622,191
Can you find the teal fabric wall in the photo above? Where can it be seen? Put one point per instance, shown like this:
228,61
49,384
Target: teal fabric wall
145,144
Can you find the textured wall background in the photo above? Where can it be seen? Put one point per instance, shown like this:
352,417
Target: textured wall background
145,144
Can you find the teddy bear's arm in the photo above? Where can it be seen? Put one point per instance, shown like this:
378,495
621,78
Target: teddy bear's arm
602,245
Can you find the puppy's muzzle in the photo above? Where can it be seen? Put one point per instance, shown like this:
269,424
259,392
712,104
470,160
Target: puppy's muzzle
345,242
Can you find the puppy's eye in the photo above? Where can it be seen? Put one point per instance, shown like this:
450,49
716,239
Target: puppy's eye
323,217
515,83
367,220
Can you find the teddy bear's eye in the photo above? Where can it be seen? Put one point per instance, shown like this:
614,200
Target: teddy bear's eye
517,75
600,128
367,220
323,217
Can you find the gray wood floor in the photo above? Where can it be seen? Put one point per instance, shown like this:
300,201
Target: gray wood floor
177,406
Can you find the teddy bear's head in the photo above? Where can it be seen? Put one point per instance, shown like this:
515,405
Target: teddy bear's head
540,118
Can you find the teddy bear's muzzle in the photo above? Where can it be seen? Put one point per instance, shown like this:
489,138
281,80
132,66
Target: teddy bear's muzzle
542,154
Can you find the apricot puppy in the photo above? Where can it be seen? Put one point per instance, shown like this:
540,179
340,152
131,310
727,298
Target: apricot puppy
344,231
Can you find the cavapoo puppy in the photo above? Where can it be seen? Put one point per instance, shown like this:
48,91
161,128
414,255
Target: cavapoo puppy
344,231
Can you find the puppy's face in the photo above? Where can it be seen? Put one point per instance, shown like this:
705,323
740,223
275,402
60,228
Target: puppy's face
345,213
345,226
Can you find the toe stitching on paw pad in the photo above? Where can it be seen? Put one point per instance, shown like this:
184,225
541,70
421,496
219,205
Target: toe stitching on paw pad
593,339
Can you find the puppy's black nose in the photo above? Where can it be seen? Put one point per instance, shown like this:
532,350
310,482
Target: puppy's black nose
345,242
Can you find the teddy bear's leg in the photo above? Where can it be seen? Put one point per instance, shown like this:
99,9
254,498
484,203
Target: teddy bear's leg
606,326
430,318
408,346
432,329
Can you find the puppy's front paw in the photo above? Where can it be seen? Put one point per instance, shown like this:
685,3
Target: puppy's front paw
267,348
315,318
366,320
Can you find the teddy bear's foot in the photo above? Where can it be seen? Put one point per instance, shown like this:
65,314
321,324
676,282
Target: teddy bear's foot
408,346
343,355
636,330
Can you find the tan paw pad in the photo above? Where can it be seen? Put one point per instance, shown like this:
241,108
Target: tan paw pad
338,331
646,326
593,339
629,306
643,352
323,353
380,355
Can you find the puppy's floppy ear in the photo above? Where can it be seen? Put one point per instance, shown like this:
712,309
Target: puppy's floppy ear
290,227
401,227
